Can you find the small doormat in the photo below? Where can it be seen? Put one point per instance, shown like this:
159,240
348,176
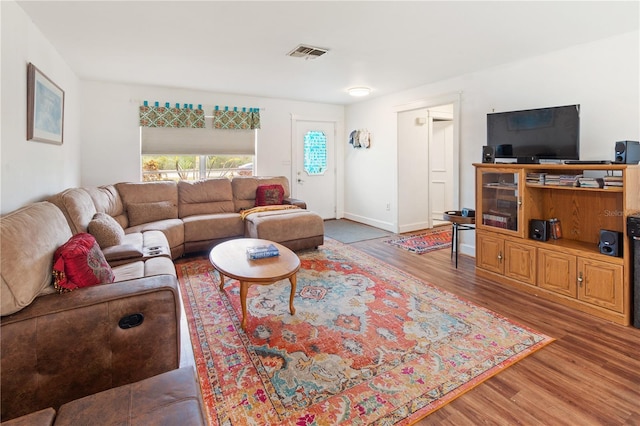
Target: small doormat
424,243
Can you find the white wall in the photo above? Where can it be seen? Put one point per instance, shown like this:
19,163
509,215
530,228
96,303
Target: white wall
413,171
601,76
111,134
31,171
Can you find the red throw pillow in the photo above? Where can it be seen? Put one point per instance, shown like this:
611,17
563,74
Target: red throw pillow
80,263
269,195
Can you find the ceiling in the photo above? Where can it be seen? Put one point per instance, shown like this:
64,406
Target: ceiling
241,47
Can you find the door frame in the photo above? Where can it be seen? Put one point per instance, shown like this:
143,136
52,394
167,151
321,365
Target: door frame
338,159
443,99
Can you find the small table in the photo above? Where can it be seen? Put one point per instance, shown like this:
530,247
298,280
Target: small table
230,259
460,223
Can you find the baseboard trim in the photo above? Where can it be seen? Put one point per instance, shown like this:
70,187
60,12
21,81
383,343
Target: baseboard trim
371,222
419,226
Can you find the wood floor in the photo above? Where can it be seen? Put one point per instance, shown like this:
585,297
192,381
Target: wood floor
589,376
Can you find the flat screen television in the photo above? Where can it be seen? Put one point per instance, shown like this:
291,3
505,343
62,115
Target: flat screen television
543,133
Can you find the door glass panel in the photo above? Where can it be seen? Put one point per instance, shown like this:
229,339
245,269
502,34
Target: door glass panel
315,152
500,200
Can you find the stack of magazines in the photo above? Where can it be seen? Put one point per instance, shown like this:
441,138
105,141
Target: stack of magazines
536,178
590,182
613,181
261,252
562,180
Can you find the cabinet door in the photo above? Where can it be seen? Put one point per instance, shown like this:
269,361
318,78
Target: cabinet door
557,272
520,262
490,253
600,283
499,203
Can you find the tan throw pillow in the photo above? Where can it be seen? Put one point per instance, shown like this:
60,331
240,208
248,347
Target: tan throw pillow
140,213
106,230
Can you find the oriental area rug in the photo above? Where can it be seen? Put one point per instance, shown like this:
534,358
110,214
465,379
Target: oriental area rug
424,243
368,344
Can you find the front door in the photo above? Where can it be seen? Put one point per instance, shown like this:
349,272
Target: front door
314,179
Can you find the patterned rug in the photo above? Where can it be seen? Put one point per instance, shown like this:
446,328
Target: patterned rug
368,345
424,243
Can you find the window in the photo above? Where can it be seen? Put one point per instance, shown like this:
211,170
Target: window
315,152
194,154
195,167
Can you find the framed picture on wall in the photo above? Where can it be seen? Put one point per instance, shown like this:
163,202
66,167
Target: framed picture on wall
45,108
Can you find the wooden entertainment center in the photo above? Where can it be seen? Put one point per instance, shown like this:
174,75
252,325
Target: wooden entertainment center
570,270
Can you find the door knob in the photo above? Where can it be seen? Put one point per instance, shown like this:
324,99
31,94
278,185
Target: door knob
300,181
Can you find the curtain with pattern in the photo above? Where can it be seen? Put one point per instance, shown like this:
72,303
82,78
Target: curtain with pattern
244,119
168,116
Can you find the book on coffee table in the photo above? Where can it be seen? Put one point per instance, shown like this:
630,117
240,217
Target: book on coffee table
262,251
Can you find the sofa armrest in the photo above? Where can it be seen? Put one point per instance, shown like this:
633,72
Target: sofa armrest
295,202
122,252
66,346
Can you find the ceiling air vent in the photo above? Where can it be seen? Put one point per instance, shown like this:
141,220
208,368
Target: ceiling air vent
307,52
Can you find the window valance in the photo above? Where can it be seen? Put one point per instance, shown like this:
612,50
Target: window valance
236,119
167,116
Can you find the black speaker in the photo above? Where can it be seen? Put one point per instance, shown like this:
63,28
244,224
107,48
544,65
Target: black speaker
488,154
539,229
610,242
627,152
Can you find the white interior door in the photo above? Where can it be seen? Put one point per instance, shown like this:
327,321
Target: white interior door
441,166
314,179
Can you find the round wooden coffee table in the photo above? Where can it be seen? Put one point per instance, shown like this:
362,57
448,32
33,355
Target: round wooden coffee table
230,260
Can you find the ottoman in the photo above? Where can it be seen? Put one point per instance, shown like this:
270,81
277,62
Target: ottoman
296,229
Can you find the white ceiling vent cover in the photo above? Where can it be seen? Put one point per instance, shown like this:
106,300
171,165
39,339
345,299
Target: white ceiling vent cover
307,52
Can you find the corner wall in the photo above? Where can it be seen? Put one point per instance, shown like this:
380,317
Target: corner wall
32,171
601,76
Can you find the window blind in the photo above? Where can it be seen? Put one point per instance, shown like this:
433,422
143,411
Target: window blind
186,141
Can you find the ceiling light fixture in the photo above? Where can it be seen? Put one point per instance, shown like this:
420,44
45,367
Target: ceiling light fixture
359,91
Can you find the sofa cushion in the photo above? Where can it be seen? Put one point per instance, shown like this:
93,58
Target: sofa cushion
269,195
106,199
140,213
37,418
171,398
77,206
148,192
22,280
106,230
244,189
213,227
205,197
80,263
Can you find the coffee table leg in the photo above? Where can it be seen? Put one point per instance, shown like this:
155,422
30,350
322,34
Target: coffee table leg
244,288
221,280
292,280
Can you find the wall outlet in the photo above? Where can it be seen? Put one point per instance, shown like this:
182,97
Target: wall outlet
388,206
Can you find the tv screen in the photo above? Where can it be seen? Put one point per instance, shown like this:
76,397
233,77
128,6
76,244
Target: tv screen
546,133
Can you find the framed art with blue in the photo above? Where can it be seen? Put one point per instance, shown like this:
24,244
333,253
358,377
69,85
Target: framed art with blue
45,108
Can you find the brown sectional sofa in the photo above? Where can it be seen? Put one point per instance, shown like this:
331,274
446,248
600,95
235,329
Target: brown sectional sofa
56,348
59,348
192,216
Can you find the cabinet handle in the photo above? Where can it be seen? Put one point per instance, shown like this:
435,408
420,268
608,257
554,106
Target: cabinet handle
580,279
519,201
500,257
